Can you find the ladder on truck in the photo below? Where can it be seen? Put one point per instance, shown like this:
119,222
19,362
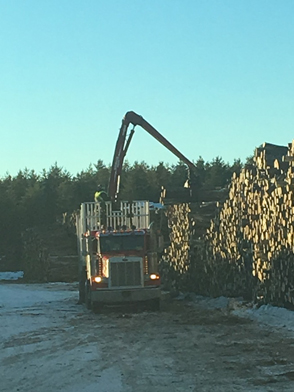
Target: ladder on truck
96,216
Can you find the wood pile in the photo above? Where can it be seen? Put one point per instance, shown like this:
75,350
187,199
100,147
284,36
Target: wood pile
62,268
187,223
34,256
242,245
176,257
49,254
248,248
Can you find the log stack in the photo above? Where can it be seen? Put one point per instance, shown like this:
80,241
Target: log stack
35,256
176,257
248,248
243,245
187,223
49,254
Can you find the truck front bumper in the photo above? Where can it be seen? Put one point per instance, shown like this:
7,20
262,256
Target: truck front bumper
112,296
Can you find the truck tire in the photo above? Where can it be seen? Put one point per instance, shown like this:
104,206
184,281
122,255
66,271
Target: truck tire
82,291
82,284
88,299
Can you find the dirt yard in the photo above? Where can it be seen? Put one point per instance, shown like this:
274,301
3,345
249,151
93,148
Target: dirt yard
49,343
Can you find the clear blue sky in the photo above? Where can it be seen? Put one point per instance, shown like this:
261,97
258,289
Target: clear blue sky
215,77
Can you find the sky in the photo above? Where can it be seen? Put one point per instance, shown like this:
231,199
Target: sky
214,77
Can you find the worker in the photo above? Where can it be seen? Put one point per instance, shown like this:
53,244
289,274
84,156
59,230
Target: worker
101,197
100,194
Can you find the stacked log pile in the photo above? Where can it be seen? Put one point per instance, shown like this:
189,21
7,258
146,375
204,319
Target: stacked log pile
248,248
187,223
50,254
176,257
35,256
62,268
244,245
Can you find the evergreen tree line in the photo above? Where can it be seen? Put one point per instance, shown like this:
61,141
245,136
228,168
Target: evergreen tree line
31,200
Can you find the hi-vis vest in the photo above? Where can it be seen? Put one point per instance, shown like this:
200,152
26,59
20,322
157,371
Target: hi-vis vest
100,196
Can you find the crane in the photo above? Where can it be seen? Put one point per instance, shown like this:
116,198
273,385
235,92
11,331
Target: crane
122,146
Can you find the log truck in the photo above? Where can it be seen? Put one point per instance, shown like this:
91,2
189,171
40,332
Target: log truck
118,243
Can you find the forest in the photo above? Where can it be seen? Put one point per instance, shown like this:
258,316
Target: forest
31,200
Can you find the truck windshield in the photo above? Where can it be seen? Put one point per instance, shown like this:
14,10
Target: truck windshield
123,242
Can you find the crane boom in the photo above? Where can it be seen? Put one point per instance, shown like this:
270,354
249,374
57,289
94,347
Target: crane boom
123,143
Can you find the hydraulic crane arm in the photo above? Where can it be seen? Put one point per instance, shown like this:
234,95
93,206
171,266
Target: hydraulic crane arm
123,143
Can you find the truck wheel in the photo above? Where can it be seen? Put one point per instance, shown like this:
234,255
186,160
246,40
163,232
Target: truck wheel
82,290
88,300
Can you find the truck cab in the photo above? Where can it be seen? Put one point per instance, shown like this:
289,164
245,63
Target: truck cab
119,251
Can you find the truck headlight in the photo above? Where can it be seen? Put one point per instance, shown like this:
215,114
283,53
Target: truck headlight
154,276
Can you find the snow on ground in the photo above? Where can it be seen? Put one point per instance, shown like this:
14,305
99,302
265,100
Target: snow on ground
11,275
267,315
39,323
32,319
28,295
19,301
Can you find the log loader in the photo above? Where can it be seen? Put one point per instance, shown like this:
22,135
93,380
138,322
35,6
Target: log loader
119,245
122,146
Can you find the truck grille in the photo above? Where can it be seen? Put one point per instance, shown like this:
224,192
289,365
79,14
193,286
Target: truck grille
125,274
